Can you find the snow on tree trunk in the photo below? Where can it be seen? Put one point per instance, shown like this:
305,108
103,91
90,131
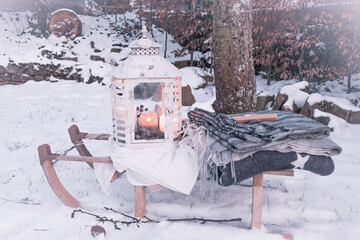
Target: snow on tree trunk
233,60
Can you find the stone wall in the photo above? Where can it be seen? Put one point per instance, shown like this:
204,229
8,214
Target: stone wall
23,72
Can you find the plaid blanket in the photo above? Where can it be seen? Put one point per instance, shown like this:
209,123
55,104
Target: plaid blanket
256,135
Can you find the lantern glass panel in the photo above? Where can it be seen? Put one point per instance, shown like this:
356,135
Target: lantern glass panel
149,115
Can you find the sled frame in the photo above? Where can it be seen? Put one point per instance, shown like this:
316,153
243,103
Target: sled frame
47,159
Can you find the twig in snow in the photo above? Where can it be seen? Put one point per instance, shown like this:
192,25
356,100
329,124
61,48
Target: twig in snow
145,219
204,220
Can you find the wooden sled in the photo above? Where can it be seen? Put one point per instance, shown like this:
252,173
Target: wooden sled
47,159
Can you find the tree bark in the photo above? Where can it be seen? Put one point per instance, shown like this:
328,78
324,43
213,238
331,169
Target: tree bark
165,45
233,56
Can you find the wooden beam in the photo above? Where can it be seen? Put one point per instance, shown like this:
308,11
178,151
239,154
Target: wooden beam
98,136
259,117
257,197
140,201
84,159
286,172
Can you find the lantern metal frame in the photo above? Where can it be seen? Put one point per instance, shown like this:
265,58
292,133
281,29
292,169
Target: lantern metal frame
124,113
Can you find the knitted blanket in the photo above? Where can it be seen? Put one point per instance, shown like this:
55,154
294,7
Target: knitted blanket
263,161
234,152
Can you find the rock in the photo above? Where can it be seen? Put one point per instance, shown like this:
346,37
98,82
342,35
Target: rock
114,63
262,101
14,69
94,79
354,118
92,44
97,58
116,50
48,54
63,73
17,79
291,98
2,70
6,79
39,78
187,96
181,64
307,110
279,101
323,119
74,59
294,108
65,23
306,89
325,106
45,70
97,230
333,109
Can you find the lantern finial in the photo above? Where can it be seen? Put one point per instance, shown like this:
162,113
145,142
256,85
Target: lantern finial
144,32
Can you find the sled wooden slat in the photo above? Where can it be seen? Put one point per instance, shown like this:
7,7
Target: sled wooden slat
140,201
286,172
257,195
98,137
84,159
257,198
76,137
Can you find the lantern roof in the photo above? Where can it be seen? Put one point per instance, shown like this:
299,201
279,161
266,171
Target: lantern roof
145,61
143,42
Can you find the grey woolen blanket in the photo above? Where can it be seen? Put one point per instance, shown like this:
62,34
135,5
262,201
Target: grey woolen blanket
256,135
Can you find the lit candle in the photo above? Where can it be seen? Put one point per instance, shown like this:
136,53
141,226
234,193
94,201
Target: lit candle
148,119
159,111
162,123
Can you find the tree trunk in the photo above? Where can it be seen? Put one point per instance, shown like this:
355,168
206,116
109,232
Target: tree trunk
269,74
349,81
354,41
233,56
106,7
165,45
191,59
302,52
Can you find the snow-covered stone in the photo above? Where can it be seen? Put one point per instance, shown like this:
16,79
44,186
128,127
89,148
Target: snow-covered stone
339,107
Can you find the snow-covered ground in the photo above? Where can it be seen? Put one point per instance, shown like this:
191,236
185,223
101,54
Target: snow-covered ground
307,205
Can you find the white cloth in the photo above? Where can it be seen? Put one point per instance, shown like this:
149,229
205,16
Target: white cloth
104,172
171,166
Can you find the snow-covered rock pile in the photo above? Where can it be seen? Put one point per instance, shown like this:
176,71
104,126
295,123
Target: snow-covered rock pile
296,97
94,56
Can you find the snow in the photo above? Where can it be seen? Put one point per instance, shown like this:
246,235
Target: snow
275,86
19,46
339,88
311,207
193,77
341,102
336,123
295,95
306,205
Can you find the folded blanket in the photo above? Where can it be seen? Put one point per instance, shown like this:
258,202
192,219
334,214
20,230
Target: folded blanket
234,152
256,135
268,161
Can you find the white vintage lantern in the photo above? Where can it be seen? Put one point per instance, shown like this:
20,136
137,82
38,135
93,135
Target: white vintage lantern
146,97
